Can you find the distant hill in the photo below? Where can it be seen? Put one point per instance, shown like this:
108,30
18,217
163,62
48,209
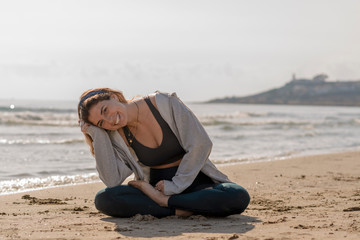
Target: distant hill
316,91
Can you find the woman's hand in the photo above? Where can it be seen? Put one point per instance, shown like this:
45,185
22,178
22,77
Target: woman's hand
160,186
139,183
84,126
151,192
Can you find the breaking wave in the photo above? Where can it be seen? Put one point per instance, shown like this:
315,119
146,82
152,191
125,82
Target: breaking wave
28,184
40,141
39,118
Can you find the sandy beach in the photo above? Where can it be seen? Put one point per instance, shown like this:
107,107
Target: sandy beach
312,197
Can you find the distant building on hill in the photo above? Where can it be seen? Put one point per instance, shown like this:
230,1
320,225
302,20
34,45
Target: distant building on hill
320,78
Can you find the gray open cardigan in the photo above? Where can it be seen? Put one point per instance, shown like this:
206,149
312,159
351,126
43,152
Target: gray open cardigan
115,161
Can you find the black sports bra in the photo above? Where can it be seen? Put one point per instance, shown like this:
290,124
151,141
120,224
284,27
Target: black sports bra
169,150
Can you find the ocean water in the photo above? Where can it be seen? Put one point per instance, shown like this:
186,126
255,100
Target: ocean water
41,144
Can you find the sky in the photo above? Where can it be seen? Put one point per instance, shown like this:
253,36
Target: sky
201,49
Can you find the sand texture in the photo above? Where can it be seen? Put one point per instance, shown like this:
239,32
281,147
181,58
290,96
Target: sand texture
315,197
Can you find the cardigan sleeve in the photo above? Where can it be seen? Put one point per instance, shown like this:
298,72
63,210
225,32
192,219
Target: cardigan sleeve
196,143
112,169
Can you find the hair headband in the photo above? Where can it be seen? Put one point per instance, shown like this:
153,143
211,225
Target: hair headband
89,95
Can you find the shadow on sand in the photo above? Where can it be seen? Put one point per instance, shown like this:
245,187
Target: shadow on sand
174,226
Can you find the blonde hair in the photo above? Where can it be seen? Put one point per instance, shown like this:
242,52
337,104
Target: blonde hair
85,105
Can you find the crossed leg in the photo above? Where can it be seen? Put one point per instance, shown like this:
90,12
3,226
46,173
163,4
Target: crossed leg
157,196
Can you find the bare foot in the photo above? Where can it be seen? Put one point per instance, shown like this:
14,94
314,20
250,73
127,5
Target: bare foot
151,192
183,213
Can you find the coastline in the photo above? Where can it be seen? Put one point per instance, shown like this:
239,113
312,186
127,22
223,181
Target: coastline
305,197
93,177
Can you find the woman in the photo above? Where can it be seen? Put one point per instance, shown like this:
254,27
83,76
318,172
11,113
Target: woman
161,141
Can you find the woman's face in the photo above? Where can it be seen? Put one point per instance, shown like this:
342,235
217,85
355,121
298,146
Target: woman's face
108,114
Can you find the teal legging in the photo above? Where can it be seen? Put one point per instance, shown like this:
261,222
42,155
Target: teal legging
125,201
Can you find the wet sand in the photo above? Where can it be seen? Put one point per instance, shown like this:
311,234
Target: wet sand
313,197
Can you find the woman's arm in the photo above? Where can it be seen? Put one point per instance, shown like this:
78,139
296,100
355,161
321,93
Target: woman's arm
195,141
112,170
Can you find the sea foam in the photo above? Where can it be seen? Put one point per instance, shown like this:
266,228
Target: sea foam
29,184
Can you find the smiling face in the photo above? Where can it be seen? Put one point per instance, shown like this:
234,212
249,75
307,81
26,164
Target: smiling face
108,114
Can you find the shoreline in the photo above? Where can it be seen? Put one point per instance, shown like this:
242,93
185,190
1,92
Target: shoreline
219,165
306,197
